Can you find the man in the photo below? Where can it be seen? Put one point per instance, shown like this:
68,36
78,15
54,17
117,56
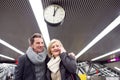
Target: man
32,65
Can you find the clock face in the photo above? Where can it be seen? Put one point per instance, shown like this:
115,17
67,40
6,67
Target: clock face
54,14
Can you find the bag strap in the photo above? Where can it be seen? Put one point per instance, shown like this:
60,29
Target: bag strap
72,77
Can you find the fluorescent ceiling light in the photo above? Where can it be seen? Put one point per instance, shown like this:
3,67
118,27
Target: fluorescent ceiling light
117,68
107,54
109,28
6,57
112,60
38,12
11,47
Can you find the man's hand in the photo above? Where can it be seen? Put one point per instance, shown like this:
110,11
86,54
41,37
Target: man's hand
71,54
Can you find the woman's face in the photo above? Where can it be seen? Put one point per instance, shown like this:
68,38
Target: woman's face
55,49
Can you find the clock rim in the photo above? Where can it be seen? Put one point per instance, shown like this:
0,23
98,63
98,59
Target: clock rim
52,23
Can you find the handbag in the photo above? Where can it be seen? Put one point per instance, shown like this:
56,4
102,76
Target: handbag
75,77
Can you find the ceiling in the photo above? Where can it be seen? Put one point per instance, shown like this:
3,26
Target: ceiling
84,20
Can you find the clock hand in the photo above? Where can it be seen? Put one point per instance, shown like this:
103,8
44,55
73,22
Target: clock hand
55,9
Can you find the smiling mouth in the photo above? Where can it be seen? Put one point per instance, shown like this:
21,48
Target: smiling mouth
57,50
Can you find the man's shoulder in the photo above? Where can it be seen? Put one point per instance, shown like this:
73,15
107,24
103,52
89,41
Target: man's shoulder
22,56
47,58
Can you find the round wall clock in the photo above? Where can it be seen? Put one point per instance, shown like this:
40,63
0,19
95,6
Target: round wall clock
54,14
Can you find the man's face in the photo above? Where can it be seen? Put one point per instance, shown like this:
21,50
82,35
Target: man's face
38,45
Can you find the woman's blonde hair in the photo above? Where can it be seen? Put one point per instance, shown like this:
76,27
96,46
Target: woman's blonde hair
50,44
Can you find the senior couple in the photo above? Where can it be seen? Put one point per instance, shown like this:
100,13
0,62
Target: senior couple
39,63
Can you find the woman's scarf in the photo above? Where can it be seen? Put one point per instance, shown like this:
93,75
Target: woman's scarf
53,64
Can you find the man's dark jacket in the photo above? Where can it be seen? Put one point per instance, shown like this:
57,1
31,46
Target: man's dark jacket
25,69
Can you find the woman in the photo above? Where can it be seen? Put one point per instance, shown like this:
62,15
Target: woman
60,65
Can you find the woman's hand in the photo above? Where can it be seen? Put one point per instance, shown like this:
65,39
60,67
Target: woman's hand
62,49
